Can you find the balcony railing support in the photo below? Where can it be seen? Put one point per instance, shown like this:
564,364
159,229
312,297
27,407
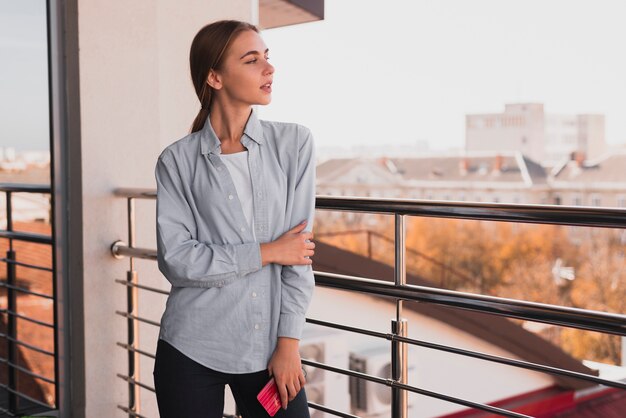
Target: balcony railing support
132,299
11,306
399,358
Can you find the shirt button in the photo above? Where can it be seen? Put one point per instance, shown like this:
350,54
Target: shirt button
259,194
243,229
253,294
230,196
219,168
256,326
260,227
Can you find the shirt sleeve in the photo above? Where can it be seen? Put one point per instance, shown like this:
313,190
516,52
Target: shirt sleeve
183,260
298,281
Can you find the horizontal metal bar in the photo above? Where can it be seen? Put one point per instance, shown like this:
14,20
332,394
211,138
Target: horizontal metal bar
136,350
129,316
134,192
511,308
35,321
129,412
25,188
507,212
28,398
424,392
135,382
32,347
26,265
140,286
330,410
7,412
26,236
356,330
475,354
28,372
22,290
119,250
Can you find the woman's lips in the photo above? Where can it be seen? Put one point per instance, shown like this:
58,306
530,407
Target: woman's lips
267,88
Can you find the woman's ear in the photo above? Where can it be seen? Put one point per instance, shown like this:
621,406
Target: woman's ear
214,80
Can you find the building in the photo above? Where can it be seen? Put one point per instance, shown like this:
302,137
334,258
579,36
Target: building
544,137
497,177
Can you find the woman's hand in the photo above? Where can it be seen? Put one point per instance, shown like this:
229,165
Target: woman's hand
286,368
291,248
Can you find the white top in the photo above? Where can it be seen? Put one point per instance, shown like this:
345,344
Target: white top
237,165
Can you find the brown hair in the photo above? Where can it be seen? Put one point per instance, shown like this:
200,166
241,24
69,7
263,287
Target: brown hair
207,49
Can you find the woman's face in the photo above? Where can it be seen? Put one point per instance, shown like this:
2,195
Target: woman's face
246,74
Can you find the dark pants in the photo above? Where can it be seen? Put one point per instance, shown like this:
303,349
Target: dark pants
185,388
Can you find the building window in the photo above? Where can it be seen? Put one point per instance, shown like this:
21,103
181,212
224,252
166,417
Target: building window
596,201
557,200
621,201
577,201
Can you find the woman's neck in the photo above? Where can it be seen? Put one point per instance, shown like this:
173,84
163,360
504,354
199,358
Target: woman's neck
229,122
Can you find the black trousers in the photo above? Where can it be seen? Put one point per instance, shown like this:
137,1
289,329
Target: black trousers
185,388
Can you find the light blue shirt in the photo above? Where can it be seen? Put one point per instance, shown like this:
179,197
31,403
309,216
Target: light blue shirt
225,310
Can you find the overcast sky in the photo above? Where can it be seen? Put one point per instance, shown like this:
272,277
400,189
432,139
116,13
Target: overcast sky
398,71
23,75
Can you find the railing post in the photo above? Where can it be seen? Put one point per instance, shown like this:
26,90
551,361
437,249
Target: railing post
399,354
11,307
134,403
133,342
11,330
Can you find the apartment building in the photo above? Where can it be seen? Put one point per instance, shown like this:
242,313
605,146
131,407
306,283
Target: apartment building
544,137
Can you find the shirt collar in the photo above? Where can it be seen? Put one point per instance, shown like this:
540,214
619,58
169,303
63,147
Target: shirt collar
210,142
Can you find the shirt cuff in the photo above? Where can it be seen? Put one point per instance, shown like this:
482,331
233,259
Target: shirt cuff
248,257
291,325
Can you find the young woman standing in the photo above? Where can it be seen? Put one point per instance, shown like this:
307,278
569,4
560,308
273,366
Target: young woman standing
235,211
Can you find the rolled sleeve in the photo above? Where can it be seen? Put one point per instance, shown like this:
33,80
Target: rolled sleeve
183,260
298,281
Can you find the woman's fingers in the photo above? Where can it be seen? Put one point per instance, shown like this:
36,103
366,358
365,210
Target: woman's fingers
292,389
284,395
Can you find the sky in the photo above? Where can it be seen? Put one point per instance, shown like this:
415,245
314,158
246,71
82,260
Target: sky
380,72
402,71
24,118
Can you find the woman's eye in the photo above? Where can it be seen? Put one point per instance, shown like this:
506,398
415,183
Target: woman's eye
252,61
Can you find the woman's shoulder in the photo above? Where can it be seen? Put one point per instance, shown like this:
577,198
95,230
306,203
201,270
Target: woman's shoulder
180,148
286,132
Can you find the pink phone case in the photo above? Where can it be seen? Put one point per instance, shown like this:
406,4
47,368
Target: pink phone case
270,398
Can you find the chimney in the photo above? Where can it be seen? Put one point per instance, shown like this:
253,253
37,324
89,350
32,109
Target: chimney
579,157
497,166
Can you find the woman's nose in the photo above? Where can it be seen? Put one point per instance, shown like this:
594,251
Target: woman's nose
269,69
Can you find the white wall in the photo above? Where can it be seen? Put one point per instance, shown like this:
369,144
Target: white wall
136,97
433,370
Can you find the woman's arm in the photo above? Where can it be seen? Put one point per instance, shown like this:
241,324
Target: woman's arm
183,260
298,281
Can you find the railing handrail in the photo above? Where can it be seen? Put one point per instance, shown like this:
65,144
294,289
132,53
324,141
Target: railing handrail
588,216
25,188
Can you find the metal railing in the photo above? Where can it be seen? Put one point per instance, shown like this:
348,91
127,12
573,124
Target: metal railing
399,291
11,315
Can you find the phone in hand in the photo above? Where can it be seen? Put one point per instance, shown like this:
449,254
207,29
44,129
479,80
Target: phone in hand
270,398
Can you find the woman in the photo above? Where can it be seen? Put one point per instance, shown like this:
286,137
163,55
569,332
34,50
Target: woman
235,209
